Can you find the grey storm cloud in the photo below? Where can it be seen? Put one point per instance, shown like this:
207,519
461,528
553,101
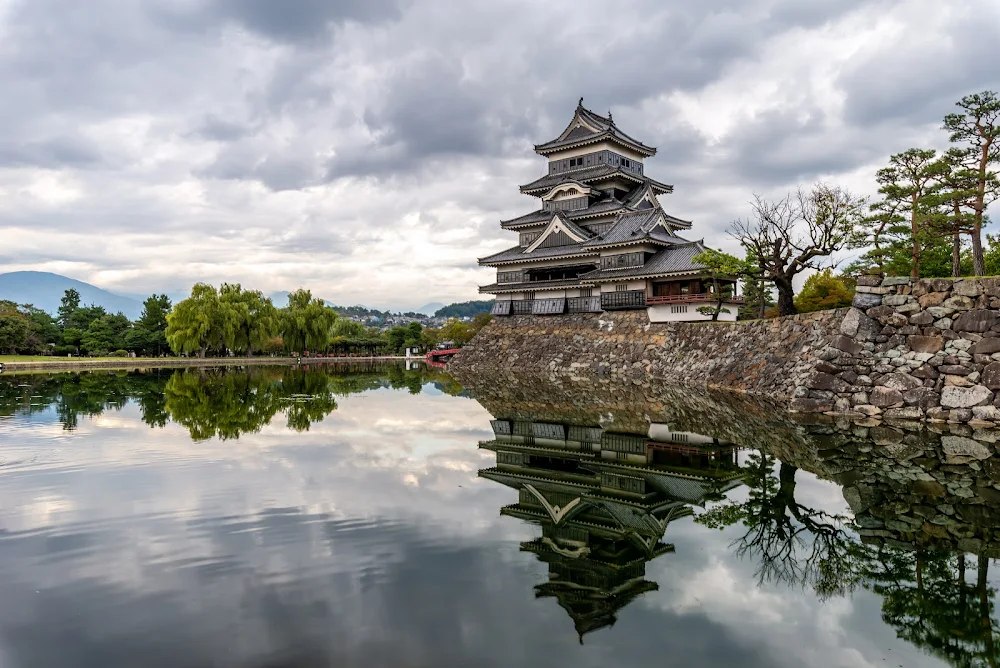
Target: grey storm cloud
249,120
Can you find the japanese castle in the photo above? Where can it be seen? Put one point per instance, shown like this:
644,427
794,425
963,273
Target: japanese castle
600,240
604,501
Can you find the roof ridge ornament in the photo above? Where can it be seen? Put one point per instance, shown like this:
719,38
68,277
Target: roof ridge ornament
610,119
580,103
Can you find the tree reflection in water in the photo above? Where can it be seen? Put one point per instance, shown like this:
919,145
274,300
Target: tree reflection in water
926,594
223,403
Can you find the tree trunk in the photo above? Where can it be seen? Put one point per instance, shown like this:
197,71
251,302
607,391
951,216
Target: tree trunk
982,586
786,296
915,271
718,295
201,353
956,255
978,263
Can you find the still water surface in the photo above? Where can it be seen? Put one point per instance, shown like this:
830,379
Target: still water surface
380,516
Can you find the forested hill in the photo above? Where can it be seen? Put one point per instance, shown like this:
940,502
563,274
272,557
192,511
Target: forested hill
464,309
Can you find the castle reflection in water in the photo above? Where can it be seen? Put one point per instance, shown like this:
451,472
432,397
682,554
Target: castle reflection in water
604,502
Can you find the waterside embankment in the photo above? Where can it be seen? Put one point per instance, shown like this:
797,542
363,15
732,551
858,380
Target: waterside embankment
84,364
911,350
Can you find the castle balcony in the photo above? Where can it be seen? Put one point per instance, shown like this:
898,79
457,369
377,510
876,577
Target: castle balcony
623,299
554,306
689,299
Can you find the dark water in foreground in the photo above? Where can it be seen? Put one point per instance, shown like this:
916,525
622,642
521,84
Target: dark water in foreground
384,517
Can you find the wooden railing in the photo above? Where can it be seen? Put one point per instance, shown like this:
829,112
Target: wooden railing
687,299
611,301
583,304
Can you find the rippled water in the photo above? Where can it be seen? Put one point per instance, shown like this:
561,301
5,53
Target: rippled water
382,516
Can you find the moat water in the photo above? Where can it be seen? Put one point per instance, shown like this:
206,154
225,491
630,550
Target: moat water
385,516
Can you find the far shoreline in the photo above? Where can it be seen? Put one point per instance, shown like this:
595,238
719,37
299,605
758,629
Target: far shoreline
83,364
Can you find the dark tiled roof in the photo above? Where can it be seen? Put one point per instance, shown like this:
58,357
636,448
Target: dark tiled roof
517,254
573,227
594,173
606,129
494,288
604,206
552,180
677,222
672,260
635,226
541,216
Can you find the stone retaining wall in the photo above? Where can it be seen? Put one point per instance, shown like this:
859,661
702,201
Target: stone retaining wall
924,349
913,350
768,357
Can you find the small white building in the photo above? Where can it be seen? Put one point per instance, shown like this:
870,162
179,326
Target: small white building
601,241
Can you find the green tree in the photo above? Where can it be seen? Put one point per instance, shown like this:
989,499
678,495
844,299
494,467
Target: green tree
823,291
250,319
722,266
306,322
72,338
44,330
195,324
68,305
14,327
904,212
953,193
99,339
976,131
794,234
148,335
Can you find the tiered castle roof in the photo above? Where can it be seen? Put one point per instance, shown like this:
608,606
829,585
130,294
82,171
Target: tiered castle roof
614,206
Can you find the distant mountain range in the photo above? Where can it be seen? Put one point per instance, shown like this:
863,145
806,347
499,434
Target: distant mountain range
44,290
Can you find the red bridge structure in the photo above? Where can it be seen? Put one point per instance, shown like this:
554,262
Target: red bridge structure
440,357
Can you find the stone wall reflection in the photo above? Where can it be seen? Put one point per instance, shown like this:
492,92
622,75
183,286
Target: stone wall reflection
924,501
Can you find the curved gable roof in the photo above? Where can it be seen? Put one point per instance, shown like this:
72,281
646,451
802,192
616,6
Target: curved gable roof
587,127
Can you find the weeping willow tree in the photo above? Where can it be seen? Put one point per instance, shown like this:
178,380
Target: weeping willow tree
306,322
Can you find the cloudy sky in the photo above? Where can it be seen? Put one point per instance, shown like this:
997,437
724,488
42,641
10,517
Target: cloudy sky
367,149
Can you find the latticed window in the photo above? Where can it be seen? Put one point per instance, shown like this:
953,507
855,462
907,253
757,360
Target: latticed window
509,276
622,260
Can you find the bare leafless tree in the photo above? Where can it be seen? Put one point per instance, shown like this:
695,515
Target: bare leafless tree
798,232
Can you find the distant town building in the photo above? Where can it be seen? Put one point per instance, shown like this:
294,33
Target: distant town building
600,240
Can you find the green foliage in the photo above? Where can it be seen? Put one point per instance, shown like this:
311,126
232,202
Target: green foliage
99,338
195,323
464,309
306,322
14,327
148,335
975,132
721,265
458,333
249,319
902,216
823,291
69,304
